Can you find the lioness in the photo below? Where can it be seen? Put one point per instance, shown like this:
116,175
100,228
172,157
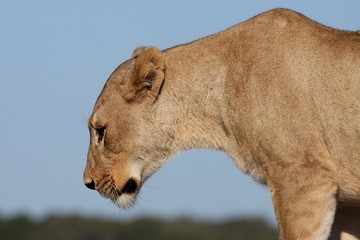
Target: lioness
279,93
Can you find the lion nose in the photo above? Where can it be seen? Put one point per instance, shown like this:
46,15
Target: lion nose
90,184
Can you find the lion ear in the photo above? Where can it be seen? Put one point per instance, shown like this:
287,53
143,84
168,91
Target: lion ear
148,75
137,52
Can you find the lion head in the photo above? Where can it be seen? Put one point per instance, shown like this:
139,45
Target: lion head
125,146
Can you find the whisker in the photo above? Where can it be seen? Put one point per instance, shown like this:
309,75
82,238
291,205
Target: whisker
85,115
139,202
146,185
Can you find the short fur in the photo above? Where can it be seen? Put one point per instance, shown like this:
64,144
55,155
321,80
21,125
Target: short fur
279,93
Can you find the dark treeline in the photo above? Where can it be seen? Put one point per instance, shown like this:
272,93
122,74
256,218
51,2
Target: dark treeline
78,228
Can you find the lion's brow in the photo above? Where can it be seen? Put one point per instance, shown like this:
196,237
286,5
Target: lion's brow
91,123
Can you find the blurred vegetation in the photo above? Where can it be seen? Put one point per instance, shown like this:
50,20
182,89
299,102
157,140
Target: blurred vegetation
78,228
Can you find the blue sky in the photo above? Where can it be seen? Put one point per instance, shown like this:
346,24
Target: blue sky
55,57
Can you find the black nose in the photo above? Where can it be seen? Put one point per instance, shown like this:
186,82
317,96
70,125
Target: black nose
90,185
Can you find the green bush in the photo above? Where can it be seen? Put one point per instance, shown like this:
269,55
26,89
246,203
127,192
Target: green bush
78,228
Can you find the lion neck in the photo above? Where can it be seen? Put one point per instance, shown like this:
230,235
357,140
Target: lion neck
193,90
192,106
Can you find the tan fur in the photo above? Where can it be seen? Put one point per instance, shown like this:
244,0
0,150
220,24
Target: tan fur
279,93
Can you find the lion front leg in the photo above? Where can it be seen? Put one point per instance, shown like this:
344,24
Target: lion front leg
347,224
304,198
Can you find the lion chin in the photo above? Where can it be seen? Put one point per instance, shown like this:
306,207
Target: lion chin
124,197
125,201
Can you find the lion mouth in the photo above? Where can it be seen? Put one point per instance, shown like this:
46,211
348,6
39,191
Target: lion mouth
124,197
127,195
130,187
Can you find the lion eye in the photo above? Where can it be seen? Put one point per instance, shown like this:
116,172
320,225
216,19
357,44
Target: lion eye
100,133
